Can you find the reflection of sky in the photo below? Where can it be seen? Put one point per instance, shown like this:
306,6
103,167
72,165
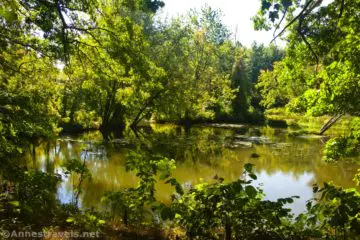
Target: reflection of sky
281,185
42,161
285,169
64,192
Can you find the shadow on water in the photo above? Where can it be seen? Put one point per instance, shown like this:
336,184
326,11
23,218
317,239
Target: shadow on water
286,165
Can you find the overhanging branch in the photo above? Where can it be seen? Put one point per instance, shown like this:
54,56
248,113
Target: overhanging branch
293,20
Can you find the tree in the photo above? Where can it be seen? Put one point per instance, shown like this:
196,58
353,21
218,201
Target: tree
283,84
197,56
28,99
245,76
324,37
121,68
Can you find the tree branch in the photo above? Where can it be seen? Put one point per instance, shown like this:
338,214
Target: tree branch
306,41
25,45
63,31
294,20
282,19
342,8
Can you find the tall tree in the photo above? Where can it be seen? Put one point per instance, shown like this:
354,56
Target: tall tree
197,55
324,38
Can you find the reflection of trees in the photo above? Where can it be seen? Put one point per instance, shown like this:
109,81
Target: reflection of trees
296,158
340,173
197,144
304,155
200,152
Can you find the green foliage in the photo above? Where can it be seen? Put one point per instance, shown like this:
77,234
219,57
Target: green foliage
320,64
28,100
204,211
270,87
134,205
287,82
340,147
122,78
336,212
357,178
236,210
126,205
75,166
346,146
87,221
246,70
197,55
147,167
97,63
323,49
31,202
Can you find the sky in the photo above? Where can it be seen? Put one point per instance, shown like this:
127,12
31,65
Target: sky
237,14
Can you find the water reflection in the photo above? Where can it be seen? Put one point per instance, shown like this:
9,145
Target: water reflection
286,165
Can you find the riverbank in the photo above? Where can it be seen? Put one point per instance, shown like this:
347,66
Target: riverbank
308,124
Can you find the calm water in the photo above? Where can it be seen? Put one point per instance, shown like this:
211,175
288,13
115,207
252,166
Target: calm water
286,165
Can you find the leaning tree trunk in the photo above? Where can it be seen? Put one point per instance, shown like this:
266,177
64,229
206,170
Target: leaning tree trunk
330,122
143,109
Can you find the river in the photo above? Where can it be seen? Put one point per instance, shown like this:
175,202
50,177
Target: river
286,164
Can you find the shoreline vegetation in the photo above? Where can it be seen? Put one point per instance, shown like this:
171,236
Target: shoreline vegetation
68,66
277,117
123,216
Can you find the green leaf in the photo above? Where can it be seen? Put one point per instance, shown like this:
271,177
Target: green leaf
248,167
253,176
167,213
265,5
273,15
286,3
15,203
250,191
237,187
101,222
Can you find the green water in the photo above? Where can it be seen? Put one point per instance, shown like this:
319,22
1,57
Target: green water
286,165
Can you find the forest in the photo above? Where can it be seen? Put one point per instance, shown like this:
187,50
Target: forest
123,112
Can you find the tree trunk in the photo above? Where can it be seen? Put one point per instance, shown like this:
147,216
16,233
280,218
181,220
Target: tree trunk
330,122
118,117
109,103
228,228
139,116
65,102
77,100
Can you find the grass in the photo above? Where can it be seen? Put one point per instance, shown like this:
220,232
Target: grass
304,124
